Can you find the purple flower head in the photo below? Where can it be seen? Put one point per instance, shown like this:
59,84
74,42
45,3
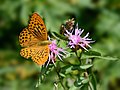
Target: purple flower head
75,39
55,52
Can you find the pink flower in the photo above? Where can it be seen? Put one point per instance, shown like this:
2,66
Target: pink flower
55,52
75,38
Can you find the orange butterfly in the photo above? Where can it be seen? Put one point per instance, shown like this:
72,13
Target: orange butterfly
34,40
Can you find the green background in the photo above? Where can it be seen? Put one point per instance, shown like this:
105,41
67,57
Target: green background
99,17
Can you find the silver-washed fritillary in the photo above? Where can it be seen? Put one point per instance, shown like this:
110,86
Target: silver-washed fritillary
32,38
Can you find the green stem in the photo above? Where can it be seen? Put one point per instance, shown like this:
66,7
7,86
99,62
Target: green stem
90,86
79,56
60,79
56,88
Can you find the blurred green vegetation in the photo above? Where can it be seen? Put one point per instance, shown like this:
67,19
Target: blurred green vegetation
99,17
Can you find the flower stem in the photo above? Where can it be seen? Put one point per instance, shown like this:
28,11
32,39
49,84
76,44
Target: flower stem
79,54
90,86
60,79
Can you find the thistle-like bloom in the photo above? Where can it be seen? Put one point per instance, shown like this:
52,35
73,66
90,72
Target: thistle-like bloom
55,52
75,38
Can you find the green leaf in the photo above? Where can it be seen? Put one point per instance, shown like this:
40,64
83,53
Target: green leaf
81,81
78,83
95,53
59,36
85,81
62,75
76,67
93,81
67,69
84,87
86,66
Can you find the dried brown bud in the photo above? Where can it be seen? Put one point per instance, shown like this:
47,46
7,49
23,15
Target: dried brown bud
62,29
67,26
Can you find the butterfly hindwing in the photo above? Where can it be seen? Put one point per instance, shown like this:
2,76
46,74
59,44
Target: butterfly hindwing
38,54
28,52
41,55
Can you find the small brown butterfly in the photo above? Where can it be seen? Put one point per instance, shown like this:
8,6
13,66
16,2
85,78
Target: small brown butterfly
34,41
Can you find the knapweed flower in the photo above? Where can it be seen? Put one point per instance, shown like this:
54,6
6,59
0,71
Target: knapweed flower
55,52
75,39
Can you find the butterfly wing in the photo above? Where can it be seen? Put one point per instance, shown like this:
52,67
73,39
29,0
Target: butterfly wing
38,54
26,38
37,27
30,37
42,55
35,32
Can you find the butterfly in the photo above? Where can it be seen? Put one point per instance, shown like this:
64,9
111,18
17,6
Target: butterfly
34,41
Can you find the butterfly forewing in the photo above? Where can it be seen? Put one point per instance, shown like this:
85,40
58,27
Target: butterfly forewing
26,38
30,38
37,27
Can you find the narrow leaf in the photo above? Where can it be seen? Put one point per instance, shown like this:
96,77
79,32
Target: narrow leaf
95,53
59,36
86,66
100,57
